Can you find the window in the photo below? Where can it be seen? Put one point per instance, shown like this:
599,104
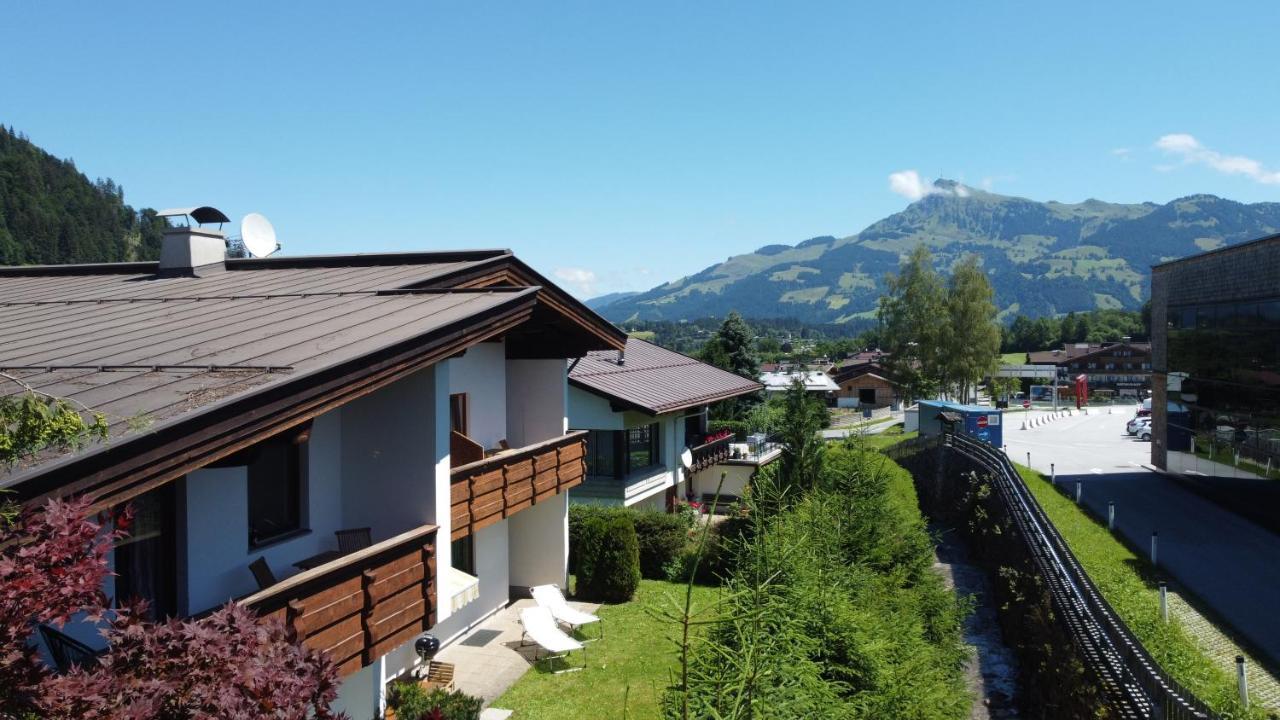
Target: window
458,413
277,482
867,396
146,559
602,453
642,447
463,551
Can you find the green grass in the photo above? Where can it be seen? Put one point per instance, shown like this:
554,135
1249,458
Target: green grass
888,438
632,665
1128,583
1014,358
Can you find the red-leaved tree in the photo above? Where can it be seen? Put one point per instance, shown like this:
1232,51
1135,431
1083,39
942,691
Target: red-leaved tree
229,664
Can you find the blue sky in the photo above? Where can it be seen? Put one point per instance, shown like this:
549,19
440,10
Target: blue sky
619,146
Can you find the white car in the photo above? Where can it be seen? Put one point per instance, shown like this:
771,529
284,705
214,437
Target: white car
1144,433
1137,424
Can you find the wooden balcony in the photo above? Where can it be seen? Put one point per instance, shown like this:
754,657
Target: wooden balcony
708,454
362,605
487,491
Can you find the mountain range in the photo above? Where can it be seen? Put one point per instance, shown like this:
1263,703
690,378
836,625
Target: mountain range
1043,258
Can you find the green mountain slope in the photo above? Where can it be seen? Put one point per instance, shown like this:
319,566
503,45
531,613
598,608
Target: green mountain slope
1043,258
50,213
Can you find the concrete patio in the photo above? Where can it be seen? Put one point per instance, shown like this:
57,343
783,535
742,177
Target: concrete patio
489,659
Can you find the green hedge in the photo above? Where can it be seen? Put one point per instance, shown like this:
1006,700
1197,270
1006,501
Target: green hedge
609,558
412,702
661,537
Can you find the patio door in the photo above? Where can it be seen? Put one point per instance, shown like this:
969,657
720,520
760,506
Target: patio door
146,560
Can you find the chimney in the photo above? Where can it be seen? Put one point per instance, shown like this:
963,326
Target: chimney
193,251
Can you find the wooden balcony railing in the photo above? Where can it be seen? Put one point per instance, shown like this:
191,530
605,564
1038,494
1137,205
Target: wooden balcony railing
486,491
706,455
362,605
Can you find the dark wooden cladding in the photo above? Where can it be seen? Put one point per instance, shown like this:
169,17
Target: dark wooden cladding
360,606
485,492
704,456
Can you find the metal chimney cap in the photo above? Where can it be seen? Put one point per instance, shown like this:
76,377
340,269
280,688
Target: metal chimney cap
203,214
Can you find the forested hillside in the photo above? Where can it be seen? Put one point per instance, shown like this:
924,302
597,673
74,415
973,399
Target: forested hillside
50,213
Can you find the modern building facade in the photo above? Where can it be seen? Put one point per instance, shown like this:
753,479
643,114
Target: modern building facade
1216,357
645,411
259,407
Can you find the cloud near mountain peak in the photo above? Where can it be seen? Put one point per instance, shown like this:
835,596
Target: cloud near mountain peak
910,185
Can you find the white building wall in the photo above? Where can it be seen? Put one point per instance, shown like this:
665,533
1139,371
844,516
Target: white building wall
539,543
588,411
217,523
481,374
389,456
492,568
537,401
737,479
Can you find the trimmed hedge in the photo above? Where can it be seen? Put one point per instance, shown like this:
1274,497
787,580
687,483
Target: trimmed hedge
661,537
609,558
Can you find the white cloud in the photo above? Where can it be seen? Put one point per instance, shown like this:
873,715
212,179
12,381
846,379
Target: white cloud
1122,153
580,281
910,185
1191,151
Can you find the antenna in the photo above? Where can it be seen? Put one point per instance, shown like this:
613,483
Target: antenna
257,235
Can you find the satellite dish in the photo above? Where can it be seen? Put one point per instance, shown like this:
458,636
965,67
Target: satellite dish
257,235
686,458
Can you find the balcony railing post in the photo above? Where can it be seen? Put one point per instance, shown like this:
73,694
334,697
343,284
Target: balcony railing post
429,584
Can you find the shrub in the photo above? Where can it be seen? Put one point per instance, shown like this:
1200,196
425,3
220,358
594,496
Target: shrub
661,537
609,559
578,516
412,702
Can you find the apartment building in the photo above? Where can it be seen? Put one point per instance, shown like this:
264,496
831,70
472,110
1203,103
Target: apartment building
368,447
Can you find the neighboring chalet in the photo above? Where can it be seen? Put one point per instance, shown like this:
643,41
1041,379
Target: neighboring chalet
816,382
416,403
648,443
863,382
1122,368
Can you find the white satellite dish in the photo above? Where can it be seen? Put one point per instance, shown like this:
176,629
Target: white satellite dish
257,235
686,459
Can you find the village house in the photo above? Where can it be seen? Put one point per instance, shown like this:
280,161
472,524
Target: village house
368,447
1119,368
648,443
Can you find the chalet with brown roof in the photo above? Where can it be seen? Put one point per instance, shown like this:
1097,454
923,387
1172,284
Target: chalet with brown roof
383,437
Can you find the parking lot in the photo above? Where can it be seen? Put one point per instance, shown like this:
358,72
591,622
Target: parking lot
1225,560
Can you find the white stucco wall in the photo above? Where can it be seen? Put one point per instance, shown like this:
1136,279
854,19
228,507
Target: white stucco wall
357,694
389,456
481,374
537,400
492,568
588,411
737,477
539,543
217,523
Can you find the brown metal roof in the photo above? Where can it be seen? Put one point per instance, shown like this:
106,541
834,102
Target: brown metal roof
154,354
656,380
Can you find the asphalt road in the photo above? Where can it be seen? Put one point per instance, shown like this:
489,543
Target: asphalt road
1230,563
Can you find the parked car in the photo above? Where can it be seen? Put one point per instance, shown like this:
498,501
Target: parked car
1137,424
1144,433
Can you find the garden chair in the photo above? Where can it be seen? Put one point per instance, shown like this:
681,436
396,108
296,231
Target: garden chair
550,597
66,651
354,539
262,573
540,627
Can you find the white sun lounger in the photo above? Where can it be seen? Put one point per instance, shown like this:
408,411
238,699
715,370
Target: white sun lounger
540,627
550,597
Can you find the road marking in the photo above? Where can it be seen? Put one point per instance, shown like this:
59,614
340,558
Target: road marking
1096,471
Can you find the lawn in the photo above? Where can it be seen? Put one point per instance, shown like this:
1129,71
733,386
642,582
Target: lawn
630,667
888,438
1128,583
1014,358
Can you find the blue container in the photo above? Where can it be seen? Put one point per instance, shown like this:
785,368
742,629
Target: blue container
978,422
